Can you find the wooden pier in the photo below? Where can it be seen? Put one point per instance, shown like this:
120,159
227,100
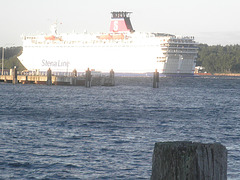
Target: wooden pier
86,80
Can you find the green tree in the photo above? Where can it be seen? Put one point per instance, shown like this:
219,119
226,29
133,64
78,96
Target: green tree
10,58
219,59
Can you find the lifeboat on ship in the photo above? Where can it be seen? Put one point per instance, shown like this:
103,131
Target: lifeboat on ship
112,36
52,38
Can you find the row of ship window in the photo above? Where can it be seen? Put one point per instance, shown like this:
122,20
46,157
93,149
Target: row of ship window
124,45
79,42
180,46
179,51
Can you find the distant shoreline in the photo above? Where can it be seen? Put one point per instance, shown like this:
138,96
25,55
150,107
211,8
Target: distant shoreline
226,74
217,74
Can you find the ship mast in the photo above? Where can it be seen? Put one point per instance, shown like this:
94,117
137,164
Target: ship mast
54,28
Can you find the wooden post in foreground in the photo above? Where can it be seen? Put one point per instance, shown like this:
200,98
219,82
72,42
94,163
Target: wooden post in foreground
156,79
189,160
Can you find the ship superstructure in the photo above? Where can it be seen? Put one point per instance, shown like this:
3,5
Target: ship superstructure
122,49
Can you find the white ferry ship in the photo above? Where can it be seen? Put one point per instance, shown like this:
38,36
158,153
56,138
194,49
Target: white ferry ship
121,49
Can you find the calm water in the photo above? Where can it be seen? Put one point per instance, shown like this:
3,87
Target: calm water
60,132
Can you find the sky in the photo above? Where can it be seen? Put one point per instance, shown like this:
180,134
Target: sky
214,22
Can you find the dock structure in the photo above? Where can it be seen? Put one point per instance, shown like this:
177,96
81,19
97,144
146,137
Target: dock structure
183,160
87,80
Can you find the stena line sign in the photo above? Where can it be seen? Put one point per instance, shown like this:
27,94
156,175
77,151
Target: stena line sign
57,63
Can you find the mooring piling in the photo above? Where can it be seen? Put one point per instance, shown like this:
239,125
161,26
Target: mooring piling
49,77
88,78
74,78
14,75
189,160
112,74
74,73
112,78
156,79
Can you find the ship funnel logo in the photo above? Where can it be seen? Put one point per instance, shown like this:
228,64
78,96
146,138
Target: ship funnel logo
121,22
115,26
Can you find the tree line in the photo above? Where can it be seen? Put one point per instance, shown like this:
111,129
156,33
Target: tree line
10,57
215,59
219,59
11,51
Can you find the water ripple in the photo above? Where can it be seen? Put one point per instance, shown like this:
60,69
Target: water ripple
53,132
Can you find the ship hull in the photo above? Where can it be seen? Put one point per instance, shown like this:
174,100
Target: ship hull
134,59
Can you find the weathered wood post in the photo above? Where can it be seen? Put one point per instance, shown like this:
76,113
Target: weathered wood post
88,78
49,77
74,73
189,160
14,75
112,77
156,79
74,78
